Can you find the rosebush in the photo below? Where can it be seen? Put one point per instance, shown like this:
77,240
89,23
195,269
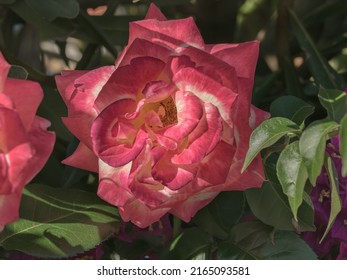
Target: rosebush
168,126
25,143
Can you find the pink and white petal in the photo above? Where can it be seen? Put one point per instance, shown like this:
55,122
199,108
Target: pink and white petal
114,184
156,91
252,177
127,81
80,126
243,57
116,152
176,63
203,139
6,101
174,176
83,158
213,67
154,13
144,48
88,87
140,214
257,116
9,207
189,112
66,83
18,173
42,144
12,131
206,89
214,168
26,96
187,209
104,124
150,192
172,34
4,68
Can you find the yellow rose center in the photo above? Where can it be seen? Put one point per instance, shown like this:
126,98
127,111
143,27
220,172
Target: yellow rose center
167,111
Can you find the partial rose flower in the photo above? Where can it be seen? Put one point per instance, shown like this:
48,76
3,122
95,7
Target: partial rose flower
167,127
25,143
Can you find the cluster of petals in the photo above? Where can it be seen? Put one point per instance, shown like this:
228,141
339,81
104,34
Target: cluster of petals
25,143
321,198
167,127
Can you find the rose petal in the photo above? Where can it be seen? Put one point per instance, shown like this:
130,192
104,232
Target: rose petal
26,96
140,214
213,67
203,139
108,148
173,34
187,209
154,13
127,81
83,158
4,68
12,131
42,145
113,183
242,57
189,113
208,90
9,207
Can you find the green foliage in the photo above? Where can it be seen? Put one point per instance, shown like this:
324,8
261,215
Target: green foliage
51,9
256,241
320,69
312,146
58,223
270,205
190,244
221,214
292,108
292,175
267,134
343,148
334,101
336,204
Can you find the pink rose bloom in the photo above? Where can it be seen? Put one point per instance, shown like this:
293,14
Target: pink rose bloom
167,127
25,143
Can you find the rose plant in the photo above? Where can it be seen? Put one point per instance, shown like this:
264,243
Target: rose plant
25,143
167,127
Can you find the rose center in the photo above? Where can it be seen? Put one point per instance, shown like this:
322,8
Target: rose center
167,111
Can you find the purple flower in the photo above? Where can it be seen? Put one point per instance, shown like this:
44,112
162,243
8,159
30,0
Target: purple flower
321,198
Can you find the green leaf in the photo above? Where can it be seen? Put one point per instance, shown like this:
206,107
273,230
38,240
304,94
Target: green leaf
254,240
46,28
343,147
334,101
312,146
320,69
59,223
189,244
18,72
221,214
267,134
270,205
322,12
292,108
292,174
336,204
51,9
